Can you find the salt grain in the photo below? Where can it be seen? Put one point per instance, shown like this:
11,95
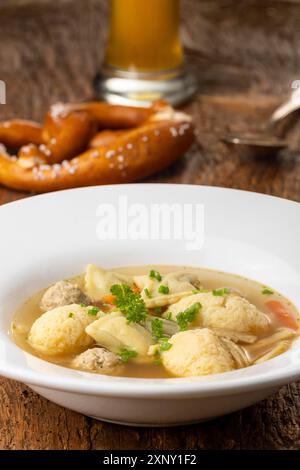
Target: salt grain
66,164
26,149
173,131
3,149
95,154
109,154
45,150
56,170
58,110
72,170
40,176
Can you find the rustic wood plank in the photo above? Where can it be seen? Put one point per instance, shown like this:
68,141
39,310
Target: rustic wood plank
246,56
28,421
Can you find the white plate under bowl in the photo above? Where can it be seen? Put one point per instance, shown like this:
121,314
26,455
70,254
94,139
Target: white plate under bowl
50,237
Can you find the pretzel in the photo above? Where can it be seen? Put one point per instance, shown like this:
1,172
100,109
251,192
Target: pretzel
91,144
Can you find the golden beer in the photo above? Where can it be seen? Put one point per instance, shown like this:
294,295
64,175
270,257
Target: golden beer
144,36
144,60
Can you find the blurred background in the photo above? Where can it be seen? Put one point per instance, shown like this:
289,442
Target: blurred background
246,56
54,48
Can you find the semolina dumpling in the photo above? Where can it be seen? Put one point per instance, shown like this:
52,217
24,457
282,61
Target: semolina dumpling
229,312
179,284
98,281
114,333
62,330
197,352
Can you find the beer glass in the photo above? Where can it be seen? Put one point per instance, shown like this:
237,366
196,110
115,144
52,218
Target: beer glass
144,58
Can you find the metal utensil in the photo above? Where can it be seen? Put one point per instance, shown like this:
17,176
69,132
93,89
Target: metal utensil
255,144
263,143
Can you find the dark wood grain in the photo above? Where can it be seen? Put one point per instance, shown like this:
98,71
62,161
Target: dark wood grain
246,55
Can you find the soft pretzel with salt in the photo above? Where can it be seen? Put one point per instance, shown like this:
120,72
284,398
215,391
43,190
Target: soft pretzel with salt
90,144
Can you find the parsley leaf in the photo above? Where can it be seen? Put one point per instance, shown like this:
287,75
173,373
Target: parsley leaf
267,291
169,316
164,344
221,292
126,354
157,328
155,275
163,289
157,358
157,362
71,315
158,310
188,316
148,293
93,311
130,303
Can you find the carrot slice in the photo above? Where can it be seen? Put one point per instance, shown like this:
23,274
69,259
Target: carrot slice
282,314
109,299
136,289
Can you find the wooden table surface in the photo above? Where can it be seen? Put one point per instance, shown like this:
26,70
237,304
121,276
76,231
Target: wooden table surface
246,55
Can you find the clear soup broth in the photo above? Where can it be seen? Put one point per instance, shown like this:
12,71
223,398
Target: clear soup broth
281,315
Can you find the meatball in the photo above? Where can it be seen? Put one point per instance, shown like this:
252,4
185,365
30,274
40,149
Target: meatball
230,312
97,360
62,330
60,294
197,352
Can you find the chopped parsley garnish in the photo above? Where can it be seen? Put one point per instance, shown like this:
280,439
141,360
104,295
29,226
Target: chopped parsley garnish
169,316
221,292
157,362
267,291
158,310
130,303
157,359
196,291
148,293
155,275
163,289
83,305
157,327
164,344
71,315
188,316
126,354
93,311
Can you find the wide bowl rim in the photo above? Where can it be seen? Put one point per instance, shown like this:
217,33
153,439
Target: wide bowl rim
153,388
